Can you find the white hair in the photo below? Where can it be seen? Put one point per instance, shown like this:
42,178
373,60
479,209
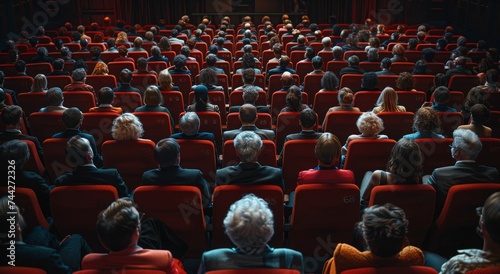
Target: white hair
248,145
467,142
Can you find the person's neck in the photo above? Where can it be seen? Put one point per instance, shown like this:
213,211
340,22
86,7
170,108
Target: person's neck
247,124
491,247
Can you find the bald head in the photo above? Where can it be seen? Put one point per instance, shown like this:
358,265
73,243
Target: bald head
248,114
286,79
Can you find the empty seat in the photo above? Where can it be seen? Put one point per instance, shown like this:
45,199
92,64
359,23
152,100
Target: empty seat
294,150
342,124
156,125
83,100
45,124
397,124
193,150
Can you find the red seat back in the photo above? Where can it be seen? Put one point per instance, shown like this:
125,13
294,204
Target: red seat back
397,124
156,125
194,150
83,100
292,151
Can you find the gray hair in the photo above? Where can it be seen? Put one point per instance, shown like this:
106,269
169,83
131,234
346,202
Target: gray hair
248,145
467,142
249,222
79,74
189,123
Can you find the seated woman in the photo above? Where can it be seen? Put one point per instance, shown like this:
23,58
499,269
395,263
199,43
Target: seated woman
201,101
165,81
329,82
249,224
127,127
405,82
39,83
346,98
153,101
294,100
370,125
426,121
248,61
398,52
327,151
403,168
388,102
479,114
384,229
100,69
208,78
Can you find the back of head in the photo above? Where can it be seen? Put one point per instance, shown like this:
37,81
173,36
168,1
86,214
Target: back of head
180,61
388,100
317,62
211,59
127,127
189,123
58,64
122,51
405,163
11,115
467,142
117,224
152,96
137,42
72,117
405,81
353,61
213,49
105,95
491,217
142,63
345,96
441,94
284,61
329,81
125,76
426,119
327,149
386,63
369,80
248,145
79,75
78,151
166,152
248,114
308,118
428,54
338,52
249,223
294,98
250,95
369,124
54,96
14,150
492,76
248,76
372,54
384,228
480,114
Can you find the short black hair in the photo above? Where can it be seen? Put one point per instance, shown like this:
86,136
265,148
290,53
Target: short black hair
179,61
307,118
317,62
166,152
126,76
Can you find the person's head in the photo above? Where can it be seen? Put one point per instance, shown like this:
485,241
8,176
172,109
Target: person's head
167,152
384,229
208,77
105,95
79,75
405,162
125,76
492,76
211,59
301,40
286,79
165,80
189,123
489,223
284,61
310,53
179,61
466,145
84,43
329,81
441,95
345,96
326,42
78,151
317,62
100,69
428,54
405,81
294,98
421,36
201,97
155,51
338,52
42,52
480,114
12,115
54,96
476,95
149,36
249,223
152,96
388,100
353,61
328,149
307,119
460,61
248,145
213,49
386,63
119,225
164,44
426,119
58,64
20,66
248,114
250,95
369,124
137,42
76,36
369,80
248,76
142,63
72,117
398,49
372,54
127,127
14,150
278,49
248,61
39,83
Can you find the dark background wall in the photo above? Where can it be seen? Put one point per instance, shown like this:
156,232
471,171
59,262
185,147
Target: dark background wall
474,18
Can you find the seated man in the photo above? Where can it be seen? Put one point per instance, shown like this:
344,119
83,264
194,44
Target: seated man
106,96
80,154
464,149
282,67
11,117
58,67
317,63
73,119
248,77
352,68
249,225
142,67
79,76
286,81
248,117
55,99
168,155
125,79
179,63
441,97
489,229
250,96
249,172
40,249
121,231
211,59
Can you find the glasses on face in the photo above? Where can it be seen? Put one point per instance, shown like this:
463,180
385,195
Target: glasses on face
141,215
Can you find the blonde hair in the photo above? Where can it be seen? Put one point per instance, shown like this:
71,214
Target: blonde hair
398,49
165,80
388,100
152,96
39,83
121,37
328,149
100,69
369,123
127,127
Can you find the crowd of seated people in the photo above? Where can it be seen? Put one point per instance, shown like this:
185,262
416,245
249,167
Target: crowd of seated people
249,222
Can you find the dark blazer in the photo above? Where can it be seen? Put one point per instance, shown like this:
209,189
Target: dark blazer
218,70
126,87
279,70
44,59
40,257
350,70
36,183
458,70
15,135
249,174
70,132
158,58
260,109
12,94
58,72
175,175
265,134
90,175
442,179
298,47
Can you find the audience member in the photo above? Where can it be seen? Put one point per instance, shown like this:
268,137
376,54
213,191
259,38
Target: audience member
39,83
123,52
329,82
405,82
79,76
352,68
55,99
369,82
441,97
248,117
294,100
201,100
105,97
398,54
480,114
388,102
282,67
58,67
425,123
189,125
125,79
346,99
100,69
153,102
179,63
369,125
250,95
